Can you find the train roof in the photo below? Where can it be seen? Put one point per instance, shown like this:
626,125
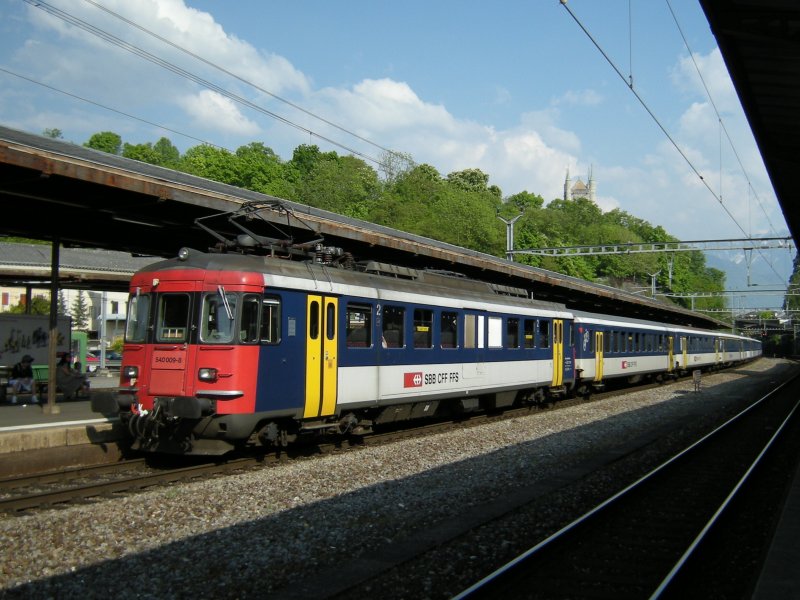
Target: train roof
307,274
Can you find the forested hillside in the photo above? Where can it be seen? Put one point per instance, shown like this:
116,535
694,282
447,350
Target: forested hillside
460,208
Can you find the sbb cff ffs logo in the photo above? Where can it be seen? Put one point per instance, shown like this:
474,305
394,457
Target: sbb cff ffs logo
412,379
418,379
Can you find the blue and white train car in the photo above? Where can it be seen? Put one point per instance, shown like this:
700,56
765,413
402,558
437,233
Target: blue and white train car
618,347
224,349
610,348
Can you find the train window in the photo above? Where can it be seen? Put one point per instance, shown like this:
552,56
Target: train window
528,330
248,327
173,318
607,341
495,329
138,318
330,321
544,334
512,332
570,341
393,326
270,320
358,321
423,328
470,329
218,317
313,320
637,342
448,329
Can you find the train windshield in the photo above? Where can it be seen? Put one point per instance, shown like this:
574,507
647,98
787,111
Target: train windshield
138,318
230,318
219,317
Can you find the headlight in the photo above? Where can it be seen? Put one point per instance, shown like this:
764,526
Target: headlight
130,372
207,374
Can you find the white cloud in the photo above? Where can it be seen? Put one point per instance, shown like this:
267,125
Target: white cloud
715,80
214,112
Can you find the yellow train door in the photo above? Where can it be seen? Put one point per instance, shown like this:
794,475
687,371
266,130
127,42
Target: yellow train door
321,356
558,352
598,356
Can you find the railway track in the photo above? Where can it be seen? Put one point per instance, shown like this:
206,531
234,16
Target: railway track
83,483
651,539
79,484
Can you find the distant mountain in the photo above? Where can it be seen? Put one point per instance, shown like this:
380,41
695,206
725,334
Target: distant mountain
762,276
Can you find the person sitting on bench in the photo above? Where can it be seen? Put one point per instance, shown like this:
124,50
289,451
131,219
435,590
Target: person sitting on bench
68,380
22,379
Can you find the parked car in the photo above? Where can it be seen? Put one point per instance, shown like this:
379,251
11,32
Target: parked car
92,363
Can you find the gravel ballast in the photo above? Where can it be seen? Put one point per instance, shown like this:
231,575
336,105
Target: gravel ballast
272,531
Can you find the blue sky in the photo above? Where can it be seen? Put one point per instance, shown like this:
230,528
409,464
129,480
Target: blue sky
515,88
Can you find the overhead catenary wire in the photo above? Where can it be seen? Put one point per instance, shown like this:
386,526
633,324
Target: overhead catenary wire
67,17
724,129
719,117
629,84
109,108
241,79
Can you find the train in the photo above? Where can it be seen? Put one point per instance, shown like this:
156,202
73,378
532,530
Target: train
228,350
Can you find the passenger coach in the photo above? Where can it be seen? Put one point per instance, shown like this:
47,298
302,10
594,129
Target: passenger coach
609,348
225,349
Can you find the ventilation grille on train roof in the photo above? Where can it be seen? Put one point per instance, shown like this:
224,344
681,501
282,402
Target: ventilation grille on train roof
507,290
400,272
397,271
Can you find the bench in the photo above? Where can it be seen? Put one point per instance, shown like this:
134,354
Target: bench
40,379
40,382
5,376
5,383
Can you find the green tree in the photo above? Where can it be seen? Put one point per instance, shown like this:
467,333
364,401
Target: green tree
306,157
345,185
210,162
106,141
168,155
395,164
80,312
793,302
53,133
141,152
39,306
523,201
469,180
258,168
61,306
162,153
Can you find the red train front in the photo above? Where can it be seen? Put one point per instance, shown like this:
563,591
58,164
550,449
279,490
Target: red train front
191,351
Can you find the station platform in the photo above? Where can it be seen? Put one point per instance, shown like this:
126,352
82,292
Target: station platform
780,576
31,436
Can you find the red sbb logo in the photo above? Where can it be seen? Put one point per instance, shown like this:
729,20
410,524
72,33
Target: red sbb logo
412,380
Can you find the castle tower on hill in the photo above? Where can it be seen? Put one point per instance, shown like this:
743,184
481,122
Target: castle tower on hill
580,189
